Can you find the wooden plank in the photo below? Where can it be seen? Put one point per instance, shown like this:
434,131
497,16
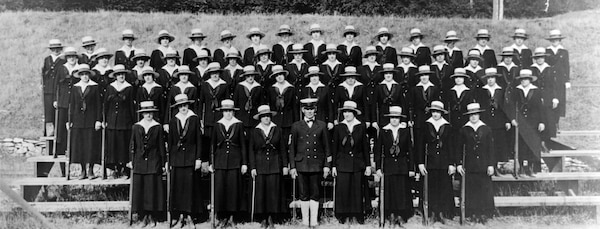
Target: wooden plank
84,206
579,133
536,201
50,158
550,177
35,181
571,153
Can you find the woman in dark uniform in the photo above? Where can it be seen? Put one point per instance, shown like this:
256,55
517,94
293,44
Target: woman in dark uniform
185,156
248,94
255,36
147,148
125,54
522,54
454,56
370,76
89,44
64,82
212,91
441,69
549,84
233,71
281,55
164,40
264,66
200,75
226,38
119,116
282,96
297,67
422,52
315,47
268,164
407,71
394,160
49,73
192,51
487,53
85,121
387,93
350,89
350,53
183,86
475,157
140,59
166,77
474,69
388,52
457,99
102,70
317,90
435,159
230,163
351,163
558,57
507,70
331,68
151,91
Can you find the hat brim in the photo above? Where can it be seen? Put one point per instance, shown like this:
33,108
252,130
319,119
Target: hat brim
297,51
55,46
349,109
429,109
171,57
89,44
424,73
129,37
112,74
213,70
233,57
376,37
155,74
416,35
249,36
388,70
282,72
176,74
519,36
439,52
394,115
227,109
315,30
289,33
452,39
135,58
171,38
350,75
244,75
376,53
533,78
231,36
474,112
474,58
64,56
89,71
539,55
555,38
262,53
257,116
356,33
197,36
330,51
483,36
182,102
147,110
107,54
319,74
507,54
407,54
459,75
490,75
196,59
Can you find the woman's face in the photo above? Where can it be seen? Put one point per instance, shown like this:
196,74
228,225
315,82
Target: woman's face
149,78
350,80
250,79
424,78
255,39
72,60
184,78
228,114
482,41
148,116
56,51
555,42
372,58
120,77
450,44
519,41
183,108
349,37
103,61
416,40
140,62
388,76
316,35
265,120
395,121
331,56
540,60
90,48
171,62
227,42
215,76
473,63
284,37
491,81
406,60
197,41
459,80
165,41
298,57
128,41
233,61
279,78
436,115
203,62
439,58
314,79
348,116
384,39
473,118
84,76
264,57
525,82
507,60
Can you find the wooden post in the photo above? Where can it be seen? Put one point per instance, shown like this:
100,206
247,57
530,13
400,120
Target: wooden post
501,10
495,10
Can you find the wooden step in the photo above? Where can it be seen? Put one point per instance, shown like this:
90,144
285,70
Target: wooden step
535,201
550,177
571,153
579,133
48,159
84,206
61,181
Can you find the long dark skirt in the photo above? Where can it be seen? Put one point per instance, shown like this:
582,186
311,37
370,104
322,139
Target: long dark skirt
441,198
117,146
85,145
552,118
501,144
349,193
183,194
269,197
228,191
49,108
479,193
398,199
148,193
61,131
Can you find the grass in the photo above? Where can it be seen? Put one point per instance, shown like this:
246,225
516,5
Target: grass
24,47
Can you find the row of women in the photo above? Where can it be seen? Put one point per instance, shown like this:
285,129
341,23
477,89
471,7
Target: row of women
89,99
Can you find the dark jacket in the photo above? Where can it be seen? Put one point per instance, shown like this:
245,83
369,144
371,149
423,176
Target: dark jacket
229,146
127,61
523,58
423,56
324,102
418,100
85,107
384,99
354,58
350,150
388,55
296,76
495,113
247,101
309,148
395,162
457,106
285,103
209,99
280,55
185,142
309,56
64,82
188,57
359,96
156,95
157,61
478,147
49,74
455,60
267,154
119,108
437,145
147,149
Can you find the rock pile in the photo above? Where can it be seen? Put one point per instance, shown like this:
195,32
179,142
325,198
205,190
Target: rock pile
22,147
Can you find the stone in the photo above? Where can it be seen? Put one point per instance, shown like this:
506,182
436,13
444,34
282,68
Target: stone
17,140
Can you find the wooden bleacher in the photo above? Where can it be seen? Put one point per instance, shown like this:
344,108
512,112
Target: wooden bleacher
579,133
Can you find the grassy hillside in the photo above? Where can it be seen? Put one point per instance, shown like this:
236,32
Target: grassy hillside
25,36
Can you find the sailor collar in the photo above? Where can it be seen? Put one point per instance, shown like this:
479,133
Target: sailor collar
120,86
147,125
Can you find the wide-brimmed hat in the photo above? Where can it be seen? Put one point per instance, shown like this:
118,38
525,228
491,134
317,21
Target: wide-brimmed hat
213,67
164,33
255,31
490,72
313,71
507,51
263,110
233,54
171,54
371,50
250,70
539,52
87,41
460,72
226,34
424,70
555,34
297,49
350,29
451,36
81,68
407,51
350,71
388,67
437,106
439,49
350,106
330,48
147,106
473,108
227,105
278,70
483,33
395,111
315,28
520,33
101,52
128,34
55,43
148,70
415,32
70,51
383,31
140,54
183,69
526,73
284,29
202,54
262,49
309,102
119,68
196,33
474,54
181,99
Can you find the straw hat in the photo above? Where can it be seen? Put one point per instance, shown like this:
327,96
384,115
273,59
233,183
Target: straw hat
284,29
407,51
520,33
526,74
371,50
183,69
213,67
437,106
87,41
226,34
202,54
451,36
70,51
388,67
315,28
490,72
181,99
350,71
263,110
262,49
81,68
483,33
313,71
395,111
147,106
473,108
165,33
507,51
278,70
140,54
197,33
539,52
555,35
255,31
424,70
297,49
439,49
171,54
233,54
119,68
148,70
350,29
460,72
55,43
350,106
101,52
250,70
474,54
415,32
383,31
227,105
330,48
128,34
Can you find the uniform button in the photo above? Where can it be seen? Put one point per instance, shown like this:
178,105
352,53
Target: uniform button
315,157
307,142
315,149
146,159
307,156
267,153
307,149
227,151
478,157
395,159
315,143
